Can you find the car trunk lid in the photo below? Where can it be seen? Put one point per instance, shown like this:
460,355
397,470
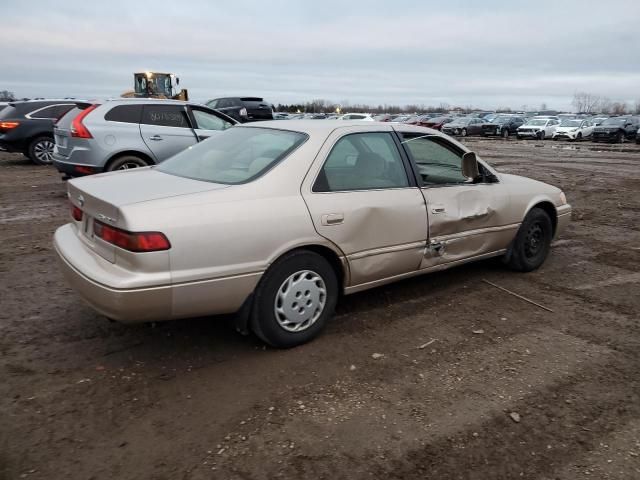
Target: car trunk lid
101,198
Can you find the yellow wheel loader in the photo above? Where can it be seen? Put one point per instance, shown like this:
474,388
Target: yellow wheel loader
156,85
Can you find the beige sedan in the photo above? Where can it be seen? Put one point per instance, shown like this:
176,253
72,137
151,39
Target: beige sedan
274,221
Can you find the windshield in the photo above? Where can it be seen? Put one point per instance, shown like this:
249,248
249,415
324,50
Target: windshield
614,121
237,155
570,123
461,121
501,119
537,123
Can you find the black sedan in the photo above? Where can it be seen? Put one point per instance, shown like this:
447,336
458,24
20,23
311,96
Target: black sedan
464,126
502,125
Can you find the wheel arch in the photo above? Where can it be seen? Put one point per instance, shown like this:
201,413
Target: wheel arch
135,153
550,209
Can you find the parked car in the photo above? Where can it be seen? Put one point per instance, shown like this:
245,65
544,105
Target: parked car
412,120
128,133
3,105
243,109
616,129
598,120
573,129
436,122
638,136
196,235
400,118
383,117
502,125
27,127
538,127
357,116
464,126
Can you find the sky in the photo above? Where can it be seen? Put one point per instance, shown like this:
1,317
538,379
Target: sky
486,54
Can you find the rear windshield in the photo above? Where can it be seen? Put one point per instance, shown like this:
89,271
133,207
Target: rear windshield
233,156
8,112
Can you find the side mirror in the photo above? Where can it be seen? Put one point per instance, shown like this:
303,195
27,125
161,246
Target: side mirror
177,81
470,166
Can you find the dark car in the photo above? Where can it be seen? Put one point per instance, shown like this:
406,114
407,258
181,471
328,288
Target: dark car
436,122
616,129
464,126
502,125
27,127
243,109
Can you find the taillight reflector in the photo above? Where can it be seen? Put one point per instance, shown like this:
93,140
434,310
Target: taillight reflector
76,213
78,129
83,169
132,241
8,125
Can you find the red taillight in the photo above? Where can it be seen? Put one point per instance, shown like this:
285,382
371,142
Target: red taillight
84,170
76,213
4,126
78,129
132,241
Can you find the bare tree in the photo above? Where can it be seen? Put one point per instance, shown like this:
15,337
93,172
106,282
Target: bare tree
7,96
605,105
619,108
585,102
636,108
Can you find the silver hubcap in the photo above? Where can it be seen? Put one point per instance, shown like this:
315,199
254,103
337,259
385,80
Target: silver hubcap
44,151
128,165
300,301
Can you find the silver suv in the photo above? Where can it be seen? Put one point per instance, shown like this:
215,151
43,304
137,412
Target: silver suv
128,133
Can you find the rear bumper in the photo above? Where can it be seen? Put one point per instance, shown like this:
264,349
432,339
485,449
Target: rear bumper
100,283
72,169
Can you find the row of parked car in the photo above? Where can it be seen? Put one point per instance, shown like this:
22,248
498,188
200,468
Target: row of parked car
564,126
82,138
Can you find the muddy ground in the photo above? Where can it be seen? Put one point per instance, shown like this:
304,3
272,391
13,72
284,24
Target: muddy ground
82,398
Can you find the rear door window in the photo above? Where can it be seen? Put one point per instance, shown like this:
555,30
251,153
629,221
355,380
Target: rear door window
165,116
124,114
362,161
51,112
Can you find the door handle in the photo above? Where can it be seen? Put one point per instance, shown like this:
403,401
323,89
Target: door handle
155,138
332,219
438,209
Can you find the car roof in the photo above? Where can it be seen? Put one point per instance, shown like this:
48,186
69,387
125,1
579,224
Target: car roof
148,101
314,127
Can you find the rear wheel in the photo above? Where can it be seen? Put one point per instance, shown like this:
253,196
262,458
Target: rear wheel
294,299
125,163
41,150
532,243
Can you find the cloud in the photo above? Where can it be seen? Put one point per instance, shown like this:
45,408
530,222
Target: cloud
487,53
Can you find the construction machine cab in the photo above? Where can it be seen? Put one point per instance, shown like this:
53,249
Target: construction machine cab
157,85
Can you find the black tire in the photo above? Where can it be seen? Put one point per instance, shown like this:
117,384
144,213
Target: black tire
519,137
579,136
542,135
505,133
126,162
263,316
463,132
620,137
532,243
40,150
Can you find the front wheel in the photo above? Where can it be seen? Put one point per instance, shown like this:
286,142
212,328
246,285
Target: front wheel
41,150
541,135
532,243
505,133
620,137
579,136
463,132
294,299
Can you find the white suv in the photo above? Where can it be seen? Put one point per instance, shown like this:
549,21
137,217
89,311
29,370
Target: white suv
539,128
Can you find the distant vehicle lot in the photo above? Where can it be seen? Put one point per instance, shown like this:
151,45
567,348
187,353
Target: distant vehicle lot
82,397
